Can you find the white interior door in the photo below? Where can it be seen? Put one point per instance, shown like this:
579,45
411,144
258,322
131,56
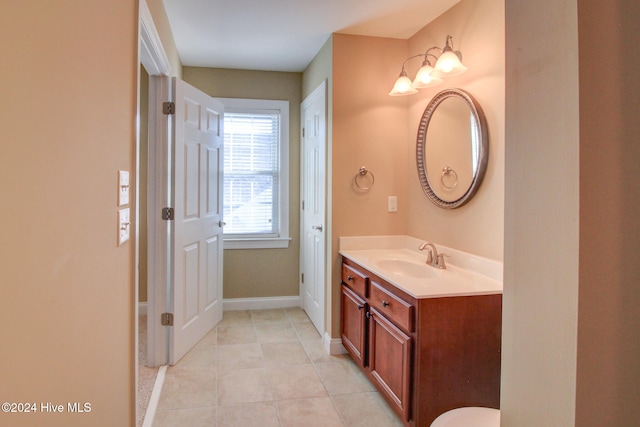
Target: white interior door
188,245
313,227
197,237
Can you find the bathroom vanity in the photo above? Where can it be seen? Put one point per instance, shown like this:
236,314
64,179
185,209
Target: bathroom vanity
429,339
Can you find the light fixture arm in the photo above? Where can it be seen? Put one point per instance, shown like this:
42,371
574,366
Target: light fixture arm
409,58
427,55
430,54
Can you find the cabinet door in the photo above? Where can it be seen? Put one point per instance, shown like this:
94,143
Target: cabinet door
390,361
353,324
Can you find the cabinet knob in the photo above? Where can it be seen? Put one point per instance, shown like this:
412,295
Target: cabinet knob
360,307
349,278
385,304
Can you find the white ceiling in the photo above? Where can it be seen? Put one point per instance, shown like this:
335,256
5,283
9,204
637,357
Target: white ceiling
285,35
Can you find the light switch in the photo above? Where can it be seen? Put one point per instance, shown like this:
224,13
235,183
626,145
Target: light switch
124,226
392,204
123,188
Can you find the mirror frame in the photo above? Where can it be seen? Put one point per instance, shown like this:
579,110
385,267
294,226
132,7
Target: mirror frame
483,155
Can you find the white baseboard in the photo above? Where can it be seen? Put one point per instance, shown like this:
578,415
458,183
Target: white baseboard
333,345
142,309
152,407
265,303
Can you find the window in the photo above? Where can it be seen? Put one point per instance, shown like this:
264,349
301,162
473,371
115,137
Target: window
256,178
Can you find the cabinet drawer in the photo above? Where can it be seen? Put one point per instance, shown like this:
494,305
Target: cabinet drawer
357,281
395,309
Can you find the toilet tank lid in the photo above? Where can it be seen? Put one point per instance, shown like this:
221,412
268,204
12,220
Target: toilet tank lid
469,417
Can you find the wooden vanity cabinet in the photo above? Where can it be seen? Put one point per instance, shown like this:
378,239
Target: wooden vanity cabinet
427,355
353,323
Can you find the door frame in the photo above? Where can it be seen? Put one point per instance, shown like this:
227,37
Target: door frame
154,59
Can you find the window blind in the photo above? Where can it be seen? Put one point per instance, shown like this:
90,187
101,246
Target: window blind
251,174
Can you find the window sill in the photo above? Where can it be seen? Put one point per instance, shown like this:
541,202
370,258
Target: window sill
267,243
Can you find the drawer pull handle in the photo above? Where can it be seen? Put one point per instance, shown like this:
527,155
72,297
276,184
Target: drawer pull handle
385,304
349,278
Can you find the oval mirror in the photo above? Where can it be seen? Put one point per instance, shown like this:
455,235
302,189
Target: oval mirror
452,148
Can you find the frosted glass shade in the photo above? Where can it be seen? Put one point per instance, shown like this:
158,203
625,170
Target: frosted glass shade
448,64
425,78
403,86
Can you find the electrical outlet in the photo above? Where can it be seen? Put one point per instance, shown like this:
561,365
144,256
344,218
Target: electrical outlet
124,226
392,204
123,188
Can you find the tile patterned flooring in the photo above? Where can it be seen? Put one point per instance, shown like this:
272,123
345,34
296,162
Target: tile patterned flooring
268,368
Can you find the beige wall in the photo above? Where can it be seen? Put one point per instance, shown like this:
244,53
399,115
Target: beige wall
477,28
69,88
572,302
608,348
319,70
369,129
541,217
261,272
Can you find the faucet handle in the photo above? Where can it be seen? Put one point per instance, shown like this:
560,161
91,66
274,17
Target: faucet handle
440,261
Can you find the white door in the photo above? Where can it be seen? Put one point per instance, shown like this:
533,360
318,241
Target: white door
192,164
313,227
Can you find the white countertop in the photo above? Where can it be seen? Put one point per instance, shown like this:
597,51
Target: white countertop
397,260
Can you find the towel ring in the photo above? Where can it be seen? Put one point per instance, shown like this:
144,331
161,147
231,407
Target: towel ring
446,171
363,171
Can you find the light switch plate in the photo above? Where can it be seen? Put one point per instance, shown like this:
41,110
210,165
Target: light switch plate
124,226
123,188
392,204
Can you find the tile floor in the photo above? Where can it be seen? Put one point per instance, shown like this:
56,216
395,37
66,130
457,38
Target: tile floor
268,368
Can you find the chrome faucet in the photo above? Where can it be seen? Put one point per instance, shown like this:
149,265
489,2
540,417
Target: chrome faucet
433,257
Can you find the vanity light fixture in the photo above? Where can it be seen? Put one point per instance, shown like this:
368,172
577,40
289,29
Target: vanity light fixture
449,63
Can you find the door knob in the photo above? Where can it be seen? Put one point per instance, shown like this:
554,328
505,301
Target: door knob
221,223
317,227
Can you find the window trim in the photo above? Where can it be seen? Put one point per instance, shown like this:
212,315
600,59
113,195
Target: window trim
244,105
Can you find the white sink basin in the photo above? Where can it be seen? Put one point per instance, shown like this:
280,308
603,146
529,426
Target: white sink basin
406,268
397,260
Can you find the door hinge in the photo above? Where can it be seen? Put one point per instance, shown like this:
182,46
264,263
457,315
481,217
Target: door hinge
302,278
168,107
303,205
167,214
166,319
303,132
